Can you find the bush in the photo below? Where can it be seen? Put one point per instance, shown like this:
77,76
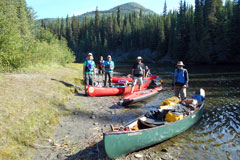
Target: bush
21,45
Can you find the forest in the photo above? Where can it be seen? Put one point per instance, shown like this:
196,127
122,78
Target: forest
208,32
23,43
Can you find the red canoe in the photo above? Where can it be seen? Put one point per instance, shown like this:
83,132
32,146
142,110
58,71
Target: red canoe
117,79
117,90
139,96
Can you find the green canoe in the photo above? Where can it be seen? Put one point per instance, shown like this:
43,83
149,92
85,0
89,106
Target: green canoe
120,143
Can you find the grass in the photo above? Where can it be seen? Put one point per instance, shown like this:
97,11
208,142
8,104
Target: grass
31,105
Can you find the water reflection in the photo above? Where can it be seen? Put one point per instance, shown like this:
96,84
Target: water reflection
217,134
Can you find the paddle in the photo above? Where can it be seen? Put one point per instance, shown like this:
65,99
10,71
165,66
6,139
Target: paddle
172,88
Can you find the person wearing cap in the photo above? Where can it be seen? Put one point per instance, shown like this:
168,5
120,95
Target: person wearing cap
180,81
108,67
88,70
138,72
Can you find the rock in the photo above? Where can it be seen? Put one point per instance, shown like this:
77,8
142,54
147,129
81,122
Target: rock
60,156
93,116
75,113
164,150
151,154
49,140
138,155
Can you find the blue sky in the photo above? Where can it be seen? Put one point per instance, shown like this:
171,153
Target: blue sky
62,8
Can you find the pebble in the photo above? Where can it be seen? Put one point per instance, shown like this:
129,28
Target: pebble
138,155
164,150
60,156
75,113
93,116
151,154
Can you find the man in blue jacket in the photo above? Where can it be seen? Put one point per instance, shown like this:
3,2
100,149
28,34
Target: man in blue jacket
108,67
180,81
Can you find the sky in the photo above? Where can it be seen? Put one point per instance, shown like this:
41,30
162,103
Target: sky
62,8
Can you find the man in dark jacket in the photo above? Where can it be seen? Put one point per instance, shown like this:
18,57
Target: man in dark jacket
180,81
138,72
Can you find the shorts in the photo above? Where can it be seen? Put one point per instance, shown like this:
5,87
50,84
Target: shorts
137,79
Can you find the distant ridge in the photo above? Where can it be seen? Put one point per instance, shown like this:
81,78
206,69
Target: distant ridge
125,9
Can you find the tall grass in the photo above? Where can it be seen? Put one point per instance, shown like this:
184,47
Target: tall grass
31,104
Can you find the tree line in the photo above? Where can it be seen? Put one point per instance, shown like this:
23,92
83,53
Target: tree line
206,33
23,43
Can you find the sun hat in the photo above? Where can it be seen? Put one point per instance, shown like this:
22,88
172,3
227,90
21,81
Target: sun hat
180,63
89,54
139,57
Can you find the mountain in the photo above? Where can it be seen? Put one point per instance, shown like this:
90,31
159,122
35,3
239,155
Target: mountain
125,9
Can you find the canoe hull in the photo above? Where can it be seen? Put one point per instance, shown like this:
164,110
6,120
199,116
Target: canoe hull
118,144
104,91
139,96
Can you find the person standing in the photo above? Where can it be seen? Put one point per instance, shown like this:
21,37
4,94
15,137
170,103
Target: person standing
138,72
100,66
147,72
88,71
108,67
180,81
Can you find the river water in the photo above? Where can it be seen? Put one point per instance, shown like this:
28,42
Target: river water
217,134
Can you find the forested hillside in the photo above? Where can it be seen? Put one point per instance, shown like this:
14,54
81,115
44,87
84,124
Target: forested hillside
126,8
206,33
22,43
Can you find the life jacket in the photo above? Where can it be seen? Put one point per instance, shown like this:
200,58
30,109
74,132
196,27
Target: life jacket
179,76
138,70
100,63
198,97
89,66
109,66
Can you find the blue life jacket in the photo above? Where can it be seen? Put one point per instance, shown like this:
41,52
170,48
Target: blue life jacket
179,76
109,65
89,66
198,97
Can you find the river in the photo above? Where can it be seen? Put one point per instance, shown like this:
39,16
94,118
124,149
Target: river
217,134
